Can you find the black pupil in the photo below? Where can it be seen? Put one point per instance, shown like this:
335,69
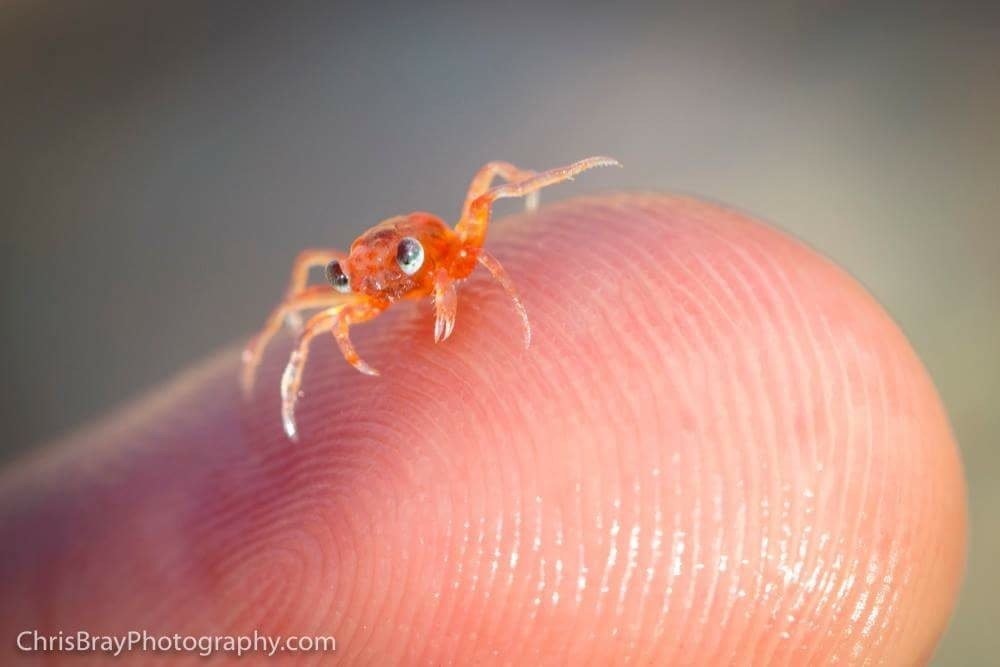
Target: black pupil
407,252
335,274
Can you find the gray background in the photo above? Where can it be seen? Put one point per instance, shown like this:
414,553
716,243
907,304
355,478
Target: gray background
160,165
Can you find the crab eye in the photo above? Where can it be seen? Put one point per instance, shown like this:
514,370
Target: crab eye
337,277
410,255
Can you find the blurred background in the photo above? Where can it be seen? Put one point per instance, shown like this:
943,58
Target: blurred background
161,164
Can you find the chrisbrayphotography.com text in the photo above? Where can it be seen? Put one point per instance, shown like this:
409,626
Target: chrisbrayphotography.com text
82,641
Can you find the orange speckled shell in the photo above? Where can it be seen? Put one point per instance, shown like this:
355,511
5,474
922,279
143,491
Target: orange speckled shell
372,262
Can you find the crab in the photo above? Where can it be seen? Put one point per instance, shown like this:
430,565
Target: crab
410,256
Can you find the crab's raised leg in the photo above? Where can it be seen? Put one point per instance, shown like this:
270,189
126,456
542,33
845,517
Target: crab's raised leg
304,261
500,275
338,320
483,179
471,228
317,296
445,305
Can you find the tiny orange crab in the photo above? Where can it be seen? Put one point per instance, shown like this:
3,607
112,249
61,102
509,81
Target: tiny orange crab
406,257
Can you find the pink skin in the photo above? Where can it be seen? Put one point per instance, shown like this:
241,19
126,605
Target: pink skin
718,449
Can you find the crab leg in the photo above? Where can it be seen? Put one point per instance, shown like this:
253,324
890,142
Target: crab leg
500,275
445,305
483,179
304,261
317,296
471,228
338,320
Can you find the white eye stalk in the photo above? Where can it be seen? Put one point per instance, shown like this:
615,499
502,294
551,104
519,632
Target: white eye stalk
410,255
335,274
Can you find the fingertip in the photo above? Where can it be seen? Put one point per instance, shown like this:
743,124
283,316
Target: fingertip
718,449
702,349
686,358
